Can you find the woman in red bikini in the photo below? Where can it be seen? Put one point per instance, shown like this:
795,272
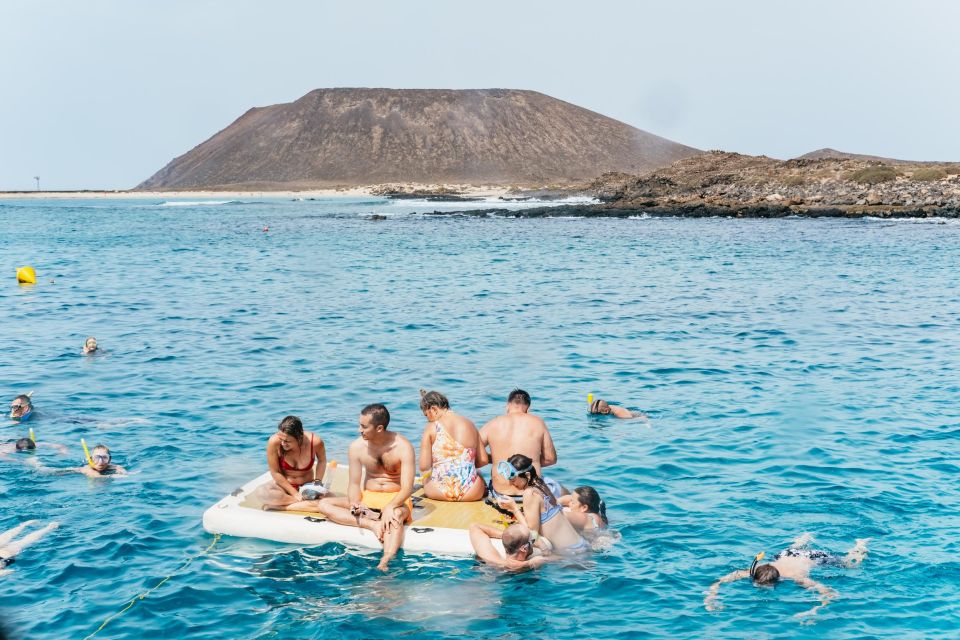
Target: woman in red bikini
291,454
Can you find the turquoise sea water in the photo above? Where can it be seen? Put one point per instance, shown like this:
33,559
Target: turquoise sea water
800,375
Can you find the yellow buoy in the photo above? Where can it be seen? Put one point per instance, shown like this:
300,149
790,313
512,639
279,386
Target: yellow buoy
26,275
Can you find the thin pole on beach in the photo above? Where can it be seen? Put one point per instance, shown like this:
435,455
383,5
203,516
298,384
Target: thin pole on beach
37,178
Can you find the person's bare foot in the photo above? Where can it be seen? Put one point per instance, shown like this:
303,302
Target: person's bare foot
856,555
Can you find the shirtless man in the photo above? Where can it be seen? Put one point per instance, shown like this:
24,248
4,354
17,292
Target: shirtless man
518,431
793,563
383,505
518,550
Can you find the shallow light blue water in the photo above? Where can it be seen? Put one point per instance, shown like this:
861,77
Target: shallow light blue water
800,375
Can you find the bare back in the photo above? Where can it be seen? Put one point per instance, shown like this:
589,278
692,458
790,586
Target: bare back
517,432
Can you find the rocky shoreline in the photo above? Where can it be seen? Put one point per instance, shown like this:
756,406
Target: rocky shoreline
705,210
722,184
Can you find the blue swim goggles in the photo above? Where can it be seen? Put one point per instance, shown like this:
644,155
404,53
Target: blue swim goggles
509,471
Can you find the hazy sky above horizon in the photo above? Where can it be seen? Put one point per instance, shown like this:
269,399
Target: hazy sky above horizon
102,94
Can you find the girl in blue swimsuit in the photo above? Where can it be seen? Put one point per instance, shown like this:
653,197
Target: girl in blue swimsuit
542,512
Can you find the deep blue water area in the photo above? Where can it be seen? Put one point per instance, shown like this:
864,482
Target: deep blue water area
799,375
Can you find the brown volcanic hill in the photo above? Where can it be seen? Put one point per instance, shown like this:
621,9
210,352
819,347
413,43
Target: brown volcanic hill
821,154
333,137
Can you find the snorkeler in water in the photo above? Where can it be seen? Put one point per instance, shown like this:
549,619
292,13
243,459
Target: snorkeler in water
21,408
9,548
793,563
27,446
99,464
603,408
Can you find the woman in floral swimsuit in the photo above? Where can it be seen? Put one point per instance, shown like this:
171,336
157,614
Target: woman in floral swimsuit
450,451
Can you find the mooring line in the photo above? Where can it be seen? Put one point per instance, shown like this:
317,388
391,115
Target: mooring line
142,596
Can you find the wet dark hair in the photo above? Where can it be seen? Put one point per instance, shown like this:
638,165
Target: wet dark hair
292,426
433,399
520,461
519,396
595,406
378,413
26,444
766,574
589,497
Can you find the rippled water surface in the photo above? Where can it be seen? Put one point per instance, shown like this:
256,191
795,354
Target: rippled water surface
800,375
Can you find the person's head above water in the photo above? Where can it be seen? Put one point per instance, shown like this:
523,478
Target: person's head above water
90,345
600,406
100,455
516,542
519,398
429,399
763,573
26,444
587,499
20,407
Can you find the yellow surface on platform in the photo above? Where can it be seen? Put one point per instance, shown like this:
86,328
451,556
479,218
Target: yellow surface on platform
426,512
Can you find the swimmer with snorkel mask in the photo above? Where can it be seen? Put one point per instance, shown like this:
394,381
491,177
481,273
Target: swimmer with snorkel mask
99,463
603,408
21,408
793,563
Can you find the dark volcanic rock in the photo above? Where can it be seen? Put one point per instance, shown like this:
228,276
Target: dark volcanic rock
334,137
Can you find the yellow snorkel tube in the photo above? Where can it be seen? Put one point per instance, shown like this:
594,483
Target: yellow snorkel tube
86,452
32,436
590,399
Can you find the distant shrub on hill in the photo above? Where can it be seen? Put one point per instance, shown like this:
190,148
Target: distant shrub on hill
794,181
929,174
873,175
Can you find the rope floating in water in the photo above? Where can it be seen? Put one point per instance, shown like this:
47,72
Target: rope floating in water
143,596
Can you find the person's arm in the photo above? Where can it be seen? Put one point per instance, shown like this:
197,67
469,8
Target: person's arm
621,412
62,449
548,455
356,473
482,459
426,449
273,463
320,453
532,505
710,601
407,462
480,536
484,444
826,596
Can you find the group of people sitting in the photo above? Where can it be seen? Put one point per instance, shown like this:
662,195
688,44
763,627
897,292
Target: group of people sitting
452,450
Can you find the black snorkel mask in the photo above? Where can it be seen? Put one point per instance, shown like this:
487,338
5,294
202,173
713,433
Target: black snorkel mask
753,565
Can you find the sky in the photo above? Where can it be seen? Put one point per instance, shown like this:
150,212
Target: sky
102,94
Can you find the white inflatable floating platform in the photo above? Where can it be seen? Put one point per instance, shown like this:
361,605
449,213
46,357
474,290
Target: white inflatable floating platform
440,528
